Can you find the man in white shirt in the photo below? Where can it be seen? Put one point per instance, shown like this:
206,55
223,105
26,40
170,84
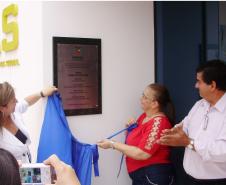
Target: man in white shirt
203,130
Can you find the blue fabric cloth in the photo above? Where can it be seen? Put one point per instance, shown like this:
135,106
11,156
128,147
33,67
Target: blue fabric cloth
83,155
128,129
56,138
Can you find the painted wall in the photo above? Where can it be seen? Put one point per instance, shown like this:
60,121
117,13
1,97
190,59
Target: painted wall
222,13
127,33
26,78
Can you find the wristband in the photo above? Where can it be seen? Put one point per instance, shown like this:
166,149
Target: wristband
42,95
112,144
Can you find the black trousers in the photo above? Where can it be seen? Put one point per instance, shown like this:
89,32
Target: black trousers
158,174
207,181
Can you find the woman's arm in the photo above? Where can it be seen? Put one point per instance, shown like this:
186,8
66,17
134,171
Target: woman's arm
130,151
33,98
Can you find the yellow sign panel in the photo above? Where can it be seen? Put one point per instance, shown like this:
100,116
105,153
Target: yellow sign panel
9,28
9,63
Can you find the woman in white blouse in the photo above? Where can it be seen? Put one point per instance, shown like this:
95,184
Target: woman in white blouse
14,136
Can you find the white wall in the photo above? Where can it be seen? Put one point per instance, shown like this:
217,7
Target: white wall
27,78
127,33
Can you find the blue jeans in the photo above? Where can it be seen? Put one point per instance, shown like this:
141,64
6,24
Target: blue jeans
157,174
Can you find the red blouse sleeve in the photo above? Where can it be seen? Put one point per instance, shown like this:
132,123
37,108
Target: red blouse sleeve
152,133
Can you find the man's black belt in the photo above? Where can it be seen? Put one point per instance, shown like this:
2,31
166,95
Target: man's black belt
208,181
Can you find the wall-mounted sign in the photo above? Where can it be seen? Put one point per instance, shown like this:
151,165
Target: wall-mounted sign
77,74
9,39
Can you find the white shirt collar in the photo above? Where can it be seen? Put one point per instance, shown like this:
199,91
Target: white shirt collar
219,106
221,103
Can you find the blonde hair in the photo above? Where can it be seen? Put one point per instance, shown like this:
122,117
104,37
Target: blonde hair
6,94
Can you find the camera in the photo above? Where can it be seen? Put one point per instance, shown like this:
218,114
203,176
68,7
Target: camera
36,174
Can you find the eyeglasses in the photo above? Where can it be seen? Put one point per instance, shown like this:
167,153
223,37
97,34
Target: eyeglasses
146,97
206,120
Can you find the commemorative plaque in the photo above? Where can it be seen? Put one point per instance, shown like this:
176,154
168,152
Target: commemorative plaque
77,74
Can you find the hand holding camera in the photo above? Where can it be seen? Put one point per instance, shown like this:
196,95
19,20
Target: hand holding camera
52,171
64,173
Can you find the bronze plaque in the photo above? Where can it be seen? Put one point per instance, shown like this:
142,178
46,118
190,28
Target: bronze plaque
77,74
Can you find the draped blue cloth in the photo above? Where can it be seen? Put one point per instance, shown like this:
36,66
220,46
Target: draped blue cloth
56,138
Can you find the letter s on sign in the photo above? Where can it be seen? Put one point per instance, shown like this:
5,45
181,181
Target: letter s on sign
10,28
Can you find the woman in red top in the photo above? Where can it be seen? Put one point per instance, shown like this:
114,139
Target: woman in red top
148,162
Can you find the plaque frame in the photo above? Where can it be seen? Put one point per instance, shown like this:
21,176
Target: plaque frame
57,76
